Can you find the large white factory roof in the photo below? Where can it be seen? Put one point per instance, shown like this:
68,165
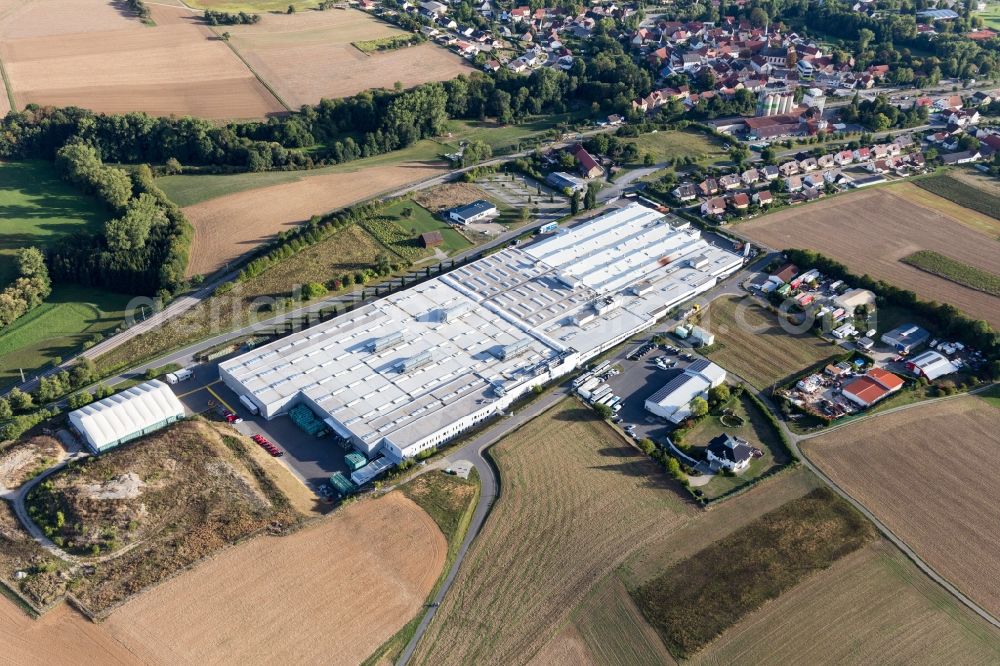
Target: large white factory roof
407,366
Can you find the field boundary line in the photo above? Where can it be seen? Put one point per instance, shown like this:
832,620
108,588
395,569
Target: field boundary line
267,86
7,86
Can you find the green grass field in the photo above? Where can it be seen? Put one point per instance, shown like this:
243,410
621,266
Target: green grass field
189,189
384,43
955,271
671,145
756,429
505,137
37,208
421,220
698,598
991,16
57,328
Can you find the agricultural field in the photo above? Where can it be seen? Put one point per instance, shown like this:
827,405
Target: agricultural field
750,343
698,598
576,501
991,16
956,271
872,230
332,592
967,216
94,55
969,189
921,473
156,506
871,603
229,226
307,56
58,328
38,208
755,429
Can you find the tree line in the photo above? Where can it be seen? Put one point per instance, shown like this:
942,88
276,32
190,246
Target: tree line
142,250
213,17
29,290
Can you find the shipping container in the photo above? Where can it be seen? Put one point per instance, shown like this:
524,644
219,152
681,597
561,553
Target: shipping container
355,461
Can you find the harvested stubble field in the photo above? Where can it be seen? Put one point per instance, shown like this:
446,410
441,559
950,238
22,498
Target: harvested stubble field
442,197
307,56
232,225
872,605
331,593
576,501
751,343
966,215
94,55
921,472
695,600
871,230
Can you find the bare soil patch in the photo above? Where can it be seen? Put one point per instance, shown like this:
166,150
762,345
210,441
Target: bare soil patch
61,636
114,63
308,56
43,578
331,593
449,195
921,471
870,231
873,604
228,227
25,459
576,501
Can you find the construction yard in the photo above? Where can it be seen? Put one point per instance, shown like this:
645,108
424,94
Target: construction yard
577,500
307,56
921,472
872,230
750,343
99,56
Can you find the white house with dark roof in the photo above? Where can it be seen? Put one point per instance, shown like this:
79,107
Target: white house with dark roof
728,452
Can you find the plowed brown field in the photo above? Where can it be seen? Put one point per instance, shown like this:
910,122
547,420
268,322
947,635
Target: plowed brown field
308,56
871,230
928,473
331,593
229,226
90,54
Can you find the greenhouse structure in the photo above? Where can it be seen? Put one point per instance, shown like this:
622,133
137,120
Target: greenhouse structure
126,415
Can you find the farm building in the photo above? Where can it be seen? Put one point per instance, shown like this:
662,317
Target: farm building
407,372
126,415
431,238
905,338
855,298
931,365
729,452
477,211
673,401
875,385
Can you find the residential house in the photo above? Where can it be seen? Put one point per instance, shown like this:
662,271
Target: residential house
770,172
685,192
789,168
713,207
751,176
730,182
793,183
764,198
588,166
708,187
740,201
844,157
808,164
728,452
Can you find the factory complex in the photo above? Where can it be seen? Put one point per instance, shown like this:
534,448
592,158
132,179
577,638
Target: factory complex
405,373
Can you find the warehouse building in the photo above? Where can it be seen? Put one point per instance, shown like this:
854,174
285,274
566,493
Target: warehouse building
477,211
414,369
126,415
905,338
931,365
673,401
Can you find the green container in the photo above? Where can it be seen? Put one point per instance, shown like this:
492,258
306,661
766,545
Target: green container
355,461
342,484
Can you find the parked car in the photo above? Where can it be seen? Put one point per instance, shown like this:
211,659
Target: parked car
232,418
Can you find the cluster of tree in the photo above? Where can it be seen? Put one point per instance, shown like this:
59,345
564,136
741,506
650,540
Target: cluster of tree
139,7
29,290
879,114
142,251
20,411
623,152
475,151
948,319
79,163
213,17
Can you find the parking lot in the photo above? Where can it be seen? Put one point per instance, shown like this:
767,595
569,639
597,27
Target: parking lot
312,459
523,191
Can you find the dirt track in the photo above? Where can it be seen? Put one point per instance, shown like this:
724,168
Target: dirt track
330,594
922,473
871,230
229,226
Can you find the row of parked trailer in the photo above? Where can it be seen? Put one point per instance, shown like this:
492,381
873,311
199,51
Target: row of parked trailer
591,387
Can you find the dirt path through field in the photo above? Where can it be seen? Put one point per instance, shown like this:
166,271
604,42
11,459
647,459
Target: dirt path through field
331,593
229,226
